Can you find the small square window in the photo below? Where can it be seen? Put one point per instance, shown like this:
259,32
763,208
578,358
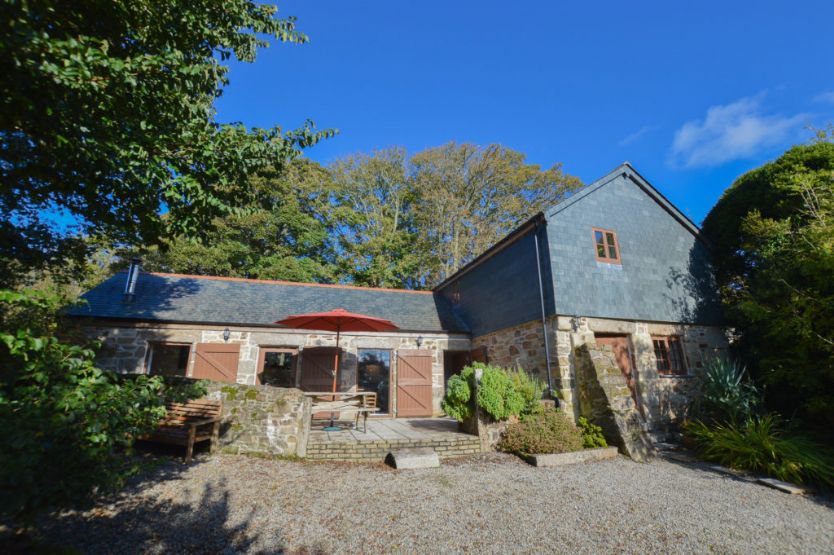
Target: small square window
169,359
607,247
669,355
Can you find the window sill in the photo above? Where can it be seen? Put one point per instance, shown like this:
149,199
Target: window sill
675,376
612,265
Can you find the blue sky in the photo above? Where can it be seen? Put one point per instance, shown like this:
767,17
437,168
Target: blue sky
692,94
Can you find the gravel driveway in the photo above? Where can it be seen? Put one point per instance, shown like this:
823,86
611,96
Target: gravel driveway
484,504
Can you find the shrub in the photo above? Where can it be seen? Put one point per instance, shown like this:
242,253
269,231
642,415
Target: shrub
531,390
547,432
496,393
764,445
725,393
457,402
62,421
591,434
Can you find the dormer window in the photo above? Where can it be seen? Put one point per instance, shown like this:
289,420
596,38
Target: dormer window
606,245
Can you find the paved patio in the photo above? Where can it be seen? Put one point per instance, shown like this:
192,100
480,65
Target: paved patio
384,434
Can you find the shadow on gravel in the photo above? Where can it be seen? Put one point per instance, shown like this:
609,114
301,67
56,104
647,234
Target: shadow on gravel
133,521
140,525
824,498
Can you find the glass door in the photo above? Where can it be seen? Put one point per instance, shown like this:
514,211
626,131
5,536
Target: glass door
374,374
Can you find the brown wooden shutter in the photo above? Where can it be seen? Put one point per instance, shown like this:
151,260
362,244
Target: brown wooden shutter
217,362
414,382
317,368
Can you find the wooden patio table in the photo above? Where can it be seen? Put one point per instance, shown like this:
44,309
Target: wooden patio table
343,401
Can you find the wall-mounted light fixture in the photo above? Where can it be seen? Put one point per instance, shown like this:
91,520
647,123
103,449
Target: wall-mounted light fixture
226,334
419,341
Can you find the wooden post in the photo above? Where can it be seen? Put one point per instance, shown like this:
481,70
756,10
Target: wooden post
189,449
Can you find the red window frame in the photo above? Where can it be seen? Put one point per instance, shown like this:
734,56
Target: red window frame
609,241
668,351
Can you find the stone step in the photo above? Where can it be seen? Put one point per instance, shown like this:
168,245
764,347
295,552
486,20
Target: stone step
418,457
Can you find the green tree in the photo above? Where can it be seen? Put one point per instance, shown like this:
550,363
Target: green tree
412,222
773,234
471,196
373,220
64,422
281,234
107,121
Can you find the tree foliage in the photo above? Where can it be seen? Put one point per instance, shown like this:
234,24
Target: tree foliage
280,234
412,222
107,121
373,220
380,219
471,196
773,234
62,420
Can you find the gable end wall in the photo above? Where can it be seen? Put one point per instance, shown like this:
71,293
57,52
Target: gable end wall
664,276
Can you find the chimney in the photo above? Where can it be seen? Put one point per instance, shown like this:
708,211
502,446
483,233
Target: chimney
132,278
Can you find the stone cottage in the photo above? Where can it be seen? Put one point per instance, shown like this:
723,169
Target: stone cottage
615,271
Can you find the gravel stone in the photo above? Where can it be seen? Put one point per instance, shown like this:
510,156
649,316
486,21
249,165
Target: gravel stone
482,504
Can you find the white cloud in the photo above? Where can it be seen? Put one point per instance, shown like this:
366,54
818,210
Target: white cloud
637,134
731,132
827,96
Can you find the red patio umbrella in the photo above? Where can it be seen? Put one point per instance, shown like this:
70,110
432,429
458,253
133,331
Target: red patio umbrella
337,320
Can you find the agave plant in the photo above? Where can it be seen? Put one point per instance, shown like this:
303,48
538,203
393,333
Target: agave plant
726,394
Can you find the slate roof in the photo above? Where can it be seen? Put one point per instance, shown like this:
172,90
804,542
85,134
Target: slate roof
214,300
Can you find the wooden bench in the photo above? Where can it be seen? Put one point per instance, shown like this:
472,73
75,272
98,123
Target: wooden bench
188,423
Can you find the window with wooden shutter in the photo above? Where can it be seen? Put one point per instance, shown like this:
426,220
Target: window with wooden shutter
668,352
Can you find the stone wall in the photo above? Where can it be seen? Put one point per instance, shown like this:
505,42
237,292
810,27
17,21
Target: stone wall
519,346
665,398
262,419
125,347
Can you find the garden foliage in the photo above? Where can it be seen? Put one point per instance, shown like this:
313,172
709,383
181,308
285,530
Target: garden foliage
726,393
772,234
457,402
549,431
496,393
764,444
63,421
592,436
531,390
501,393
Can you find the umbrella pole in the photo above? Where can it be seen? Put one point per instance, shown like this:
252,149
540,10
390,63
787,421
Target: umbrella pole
335,373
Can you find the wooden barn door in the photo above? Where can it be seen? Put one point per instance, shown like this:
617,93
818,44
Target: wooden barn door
217,362
414,382
317,369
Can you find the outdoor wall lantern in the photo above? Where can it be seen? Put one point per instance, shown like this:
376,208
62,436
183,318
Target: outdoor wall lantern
226,334
419,341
